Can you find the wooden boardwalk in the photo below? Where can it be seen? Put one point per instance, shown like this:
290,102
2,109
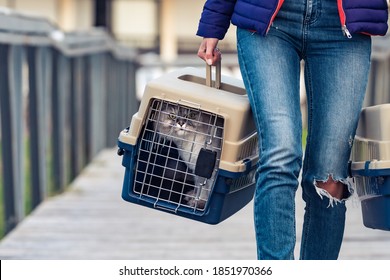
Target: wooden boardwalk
91,221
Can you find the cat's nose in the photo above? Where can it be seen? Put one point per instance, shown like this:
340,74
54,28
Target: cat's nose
181,123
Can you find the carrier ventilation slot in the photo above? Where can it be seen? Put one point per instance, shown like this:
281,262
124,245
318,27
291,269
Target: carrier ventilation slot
250,148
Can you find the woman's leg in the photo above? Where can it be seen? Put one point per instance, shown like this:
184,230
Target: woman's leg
270,68
336,73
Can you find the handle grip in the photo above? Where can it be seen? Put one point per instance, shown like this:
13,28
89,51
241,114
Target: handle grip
209,74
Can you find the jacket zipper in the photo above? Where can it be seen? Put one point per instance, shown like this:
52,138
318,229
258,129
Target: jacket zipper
346,31
280,2
343,19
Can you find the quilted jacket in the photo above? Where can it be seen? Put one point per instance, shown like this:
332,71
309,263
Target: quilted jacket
356,16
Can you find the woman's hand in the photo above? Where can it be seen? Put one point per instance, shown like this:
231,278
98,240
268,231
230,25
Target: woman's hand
209,52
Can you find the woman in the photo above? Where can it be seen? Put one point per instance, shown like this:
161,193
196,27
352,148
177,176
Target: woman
333,39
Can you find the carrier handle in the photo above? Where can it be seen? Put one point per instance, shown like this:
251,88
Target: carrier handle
209,74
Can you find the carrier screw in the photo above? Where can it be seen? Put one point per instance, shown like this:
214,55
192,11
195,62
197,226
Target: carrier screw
120,152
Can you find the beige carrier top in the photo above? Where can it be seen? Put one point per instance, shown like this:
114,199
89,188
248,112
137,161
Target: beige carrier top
188,87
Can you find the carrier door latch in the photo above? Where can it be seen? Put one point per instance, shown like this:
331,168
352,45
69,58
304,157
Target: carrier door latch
205,163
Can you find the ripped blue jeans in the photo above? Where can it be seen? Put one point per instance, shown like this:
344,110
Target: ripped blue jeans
336,73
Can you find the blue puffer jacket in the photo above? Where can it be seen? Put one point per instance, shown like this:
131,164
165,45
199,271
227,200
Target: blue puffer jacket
356,16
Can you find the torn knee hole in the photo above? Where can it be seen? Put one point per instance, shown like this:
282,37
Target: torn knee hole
335,190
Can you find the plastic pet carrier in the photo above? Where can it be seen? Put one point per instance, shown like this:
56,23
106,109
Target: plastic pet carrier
371,165
191,149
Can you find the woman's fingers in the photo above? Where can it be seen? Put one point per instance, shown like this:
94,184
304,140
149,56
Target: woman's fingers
209,52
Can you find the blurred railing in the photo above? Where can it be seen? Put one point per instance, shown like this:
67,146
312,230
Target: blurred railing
63,98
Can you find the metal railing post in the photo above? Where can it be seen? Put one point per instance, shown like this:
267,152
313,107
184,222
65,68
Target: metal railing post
76,116
76,87
60,84
36,58
11,106
98,111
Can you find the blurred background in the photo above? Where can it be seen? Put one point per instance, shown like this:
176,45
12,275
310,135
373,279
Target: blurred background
164,26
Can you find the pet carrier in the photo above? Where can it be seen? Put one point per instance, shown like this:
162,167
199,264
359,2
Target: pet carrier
191,149
371,165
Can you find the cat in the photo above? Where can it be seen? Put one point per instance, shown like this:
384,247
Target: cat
160,172
190,130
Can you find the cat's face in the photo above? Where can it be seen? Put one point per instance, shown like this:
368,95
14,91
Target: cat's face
178,121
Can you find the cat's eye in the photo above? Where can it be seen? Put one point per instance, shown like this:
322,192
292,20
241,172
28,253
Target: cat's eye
192,115
172,116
